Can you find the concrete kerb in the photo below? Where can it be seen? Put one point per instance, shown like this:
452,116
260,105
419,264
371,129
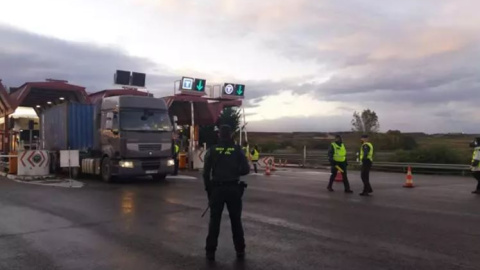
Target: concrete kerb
48,180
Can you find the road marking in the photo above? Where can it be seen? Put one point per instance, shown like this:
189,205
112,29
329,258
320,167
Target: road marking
53,183
181,177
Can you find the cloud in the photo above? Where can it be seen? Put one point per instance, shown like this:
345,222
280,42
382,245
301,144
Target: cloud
414,62
301,124
29,57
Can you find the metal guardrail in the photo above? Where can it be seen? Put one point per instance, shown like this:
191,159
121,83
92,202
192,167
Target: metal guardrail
309,160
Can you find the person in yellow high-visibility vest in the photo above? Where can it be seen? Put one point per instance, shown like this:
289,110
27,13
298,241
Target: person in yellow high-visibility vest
475,165
245,149
366,158
337,156
255,154
176,158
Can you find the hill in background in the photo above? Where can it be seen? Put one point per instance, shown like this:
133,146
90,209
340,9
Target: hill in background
421,147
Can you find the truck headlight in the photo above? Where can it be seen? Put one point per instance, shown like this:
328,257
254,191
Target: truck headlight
170,162
126,164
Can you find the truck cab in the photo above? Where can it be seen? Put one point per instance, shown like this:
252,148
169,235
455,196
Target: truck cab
135,137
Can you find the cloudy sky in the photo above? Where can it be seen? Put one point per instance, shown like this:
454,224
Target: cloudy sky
307,64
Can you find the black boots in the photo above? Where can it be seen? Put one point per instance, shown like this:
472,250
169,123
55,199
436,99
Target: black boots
210,255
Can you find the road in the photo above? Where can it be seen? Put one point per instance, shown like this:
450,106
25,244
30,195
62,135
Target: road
290,220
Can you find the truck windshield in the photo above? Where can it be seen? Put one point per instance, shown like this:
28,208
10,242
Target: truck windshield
145,120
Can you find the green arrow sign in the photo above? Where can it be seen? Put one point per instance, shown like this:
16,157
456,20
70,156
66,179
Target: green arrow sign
200,86
239,89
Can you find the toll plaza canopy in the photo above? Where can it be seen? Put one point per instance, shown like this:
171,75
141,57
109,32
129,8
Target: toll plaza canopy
206,110
39,95
6,106
94,97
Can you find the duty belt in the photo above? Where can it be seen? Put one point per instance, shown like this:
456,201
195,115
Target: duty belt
224,183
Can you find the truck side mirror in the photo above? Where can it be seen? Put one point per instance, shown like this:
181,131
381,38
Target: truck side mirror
109,125
109,121
175,120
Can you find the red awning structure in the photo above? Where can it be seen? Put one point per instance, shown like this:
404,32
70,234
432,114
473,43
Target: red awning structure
94,97
206,111
6,106
40,95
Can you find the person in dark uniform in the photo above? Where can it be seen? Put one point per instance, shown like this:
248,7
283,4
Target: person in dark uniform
224,164
337,156
475,165
366,158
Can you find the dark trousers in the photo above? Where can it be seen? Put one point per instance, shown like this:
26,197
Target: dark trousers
343,166
477,176
365,175
232,197
255,162
175,170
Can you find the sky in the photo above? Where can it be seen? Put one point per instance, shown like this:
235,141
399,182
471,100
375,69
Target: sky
308,65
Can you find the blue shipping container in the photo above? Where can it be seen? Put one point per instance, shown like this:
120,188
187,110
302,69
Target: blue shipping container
69,126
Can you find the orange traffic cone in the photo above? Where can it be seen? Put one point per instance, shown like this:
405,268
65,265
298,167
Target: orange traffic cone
409,179
267,171
339,177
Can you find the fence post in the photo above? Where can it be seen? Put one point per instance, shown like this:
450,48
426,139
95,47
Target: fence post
304,155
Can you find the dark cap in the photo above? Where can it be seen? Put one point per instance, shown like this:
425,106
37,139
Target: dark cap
338,136
364,136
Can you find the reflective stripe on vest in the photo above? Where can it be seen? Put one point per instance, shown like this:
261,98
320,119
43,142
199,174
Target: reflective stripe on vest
370,153
177,149
340,152
256,155
476,153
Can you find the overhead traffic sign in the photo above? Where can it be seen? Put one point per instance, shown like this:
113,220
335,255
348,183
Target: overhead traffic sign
187,83
234,91
199,85
239,89
193,86
228,88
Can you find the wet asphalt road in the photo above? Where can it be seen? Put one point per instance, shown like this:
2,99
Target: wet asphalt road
290,220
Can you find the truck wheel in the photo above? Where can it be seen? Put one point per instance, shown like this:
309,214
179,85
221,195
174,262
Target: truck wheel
106,170
159,177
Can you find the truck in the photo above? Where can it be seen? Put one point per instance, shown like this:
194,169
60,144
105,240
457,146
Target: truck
120,136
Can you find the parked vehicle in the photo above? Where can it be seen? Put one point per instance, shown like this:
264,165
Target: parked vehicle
119,136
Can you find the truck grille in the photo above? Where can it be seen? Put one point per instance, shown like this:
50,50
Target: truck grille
151,165
149,147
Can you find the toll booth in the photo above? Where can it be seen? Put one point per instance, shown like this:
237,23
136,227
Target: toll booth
7,107
20,126
195,111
